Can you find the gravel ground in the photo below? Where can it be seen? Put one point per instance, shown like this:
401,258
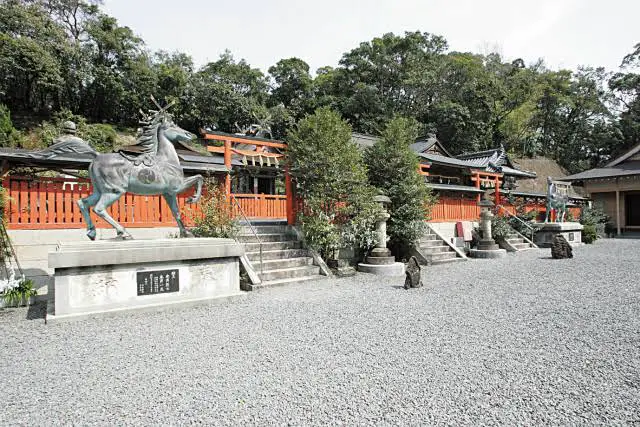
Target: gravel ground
522,340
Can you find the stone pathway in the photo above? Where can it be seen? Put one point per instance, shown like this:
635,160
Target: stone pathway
519,340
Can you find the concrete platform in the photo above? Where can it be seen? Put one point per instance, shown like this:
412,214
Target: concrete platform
395,269
104,276
546,231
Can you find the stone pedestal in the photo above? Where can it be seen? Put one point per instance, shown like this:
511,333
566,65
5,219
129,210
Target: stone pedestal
107,276
381,262
546,231
487,247
341,267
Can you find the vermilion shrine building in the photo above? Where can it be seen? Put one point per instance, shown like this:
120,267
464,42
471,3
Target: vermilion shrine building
252,170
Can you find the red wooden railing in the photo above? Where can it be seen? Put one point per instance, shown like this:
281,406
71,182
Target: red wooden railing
268,206
450,209
40,203
48,203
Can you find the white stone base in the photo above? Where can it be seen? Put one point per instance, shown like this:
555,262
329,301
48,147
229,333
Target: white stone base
101,277
33,246
395,269
546,231
495,253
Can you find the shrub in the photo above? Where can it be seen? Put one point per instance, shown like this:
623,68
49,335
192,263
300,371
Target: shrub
9,136
321,233
19,295
610,229
592,216
4,202
216,217
500,228
589,234
594,221
393,169
331,179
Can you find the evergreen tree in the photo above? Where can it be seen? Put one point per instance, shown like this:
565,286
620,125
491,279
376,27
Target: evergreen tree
393,169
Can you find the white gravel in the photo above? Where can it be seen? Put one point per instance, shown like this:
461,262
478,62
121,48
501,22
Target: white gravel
521,340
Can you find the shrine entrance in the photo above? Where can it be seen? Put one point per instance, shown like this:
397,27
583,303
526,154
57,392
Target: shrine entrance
632,203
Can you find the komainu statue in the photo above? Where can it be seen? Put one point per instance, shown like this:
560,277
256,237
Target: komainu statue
412,273
156,171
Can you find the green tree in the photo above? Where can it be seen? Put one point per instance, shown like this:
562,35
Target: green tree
625,86
293,85
393,169
226,94
31,45
332,181
383,77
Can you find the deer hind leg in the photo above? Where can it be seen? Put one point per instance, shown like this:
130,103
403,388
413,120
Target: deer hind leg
172,201
196,180
85,205
103,204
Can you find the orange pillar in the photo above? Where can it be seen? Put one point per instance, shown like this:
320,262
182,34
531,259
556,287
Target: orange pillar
497,190
478,187
227,163
288,185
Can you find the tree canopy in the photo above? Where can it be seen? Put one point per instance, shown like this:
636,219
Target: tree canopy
59,55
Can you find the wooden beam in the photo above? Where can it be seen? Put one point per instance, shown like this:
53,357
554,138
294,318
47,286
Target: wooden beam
618,212
242,140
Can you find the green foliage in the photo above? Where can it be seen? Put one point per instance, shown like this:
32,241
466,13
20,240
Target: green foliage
216,218
359,232
323,159
57,55
321,232
595,223
9,136
589,234
521,213
293,87
19,295
393,169
592,216
100,136
500,228
4,202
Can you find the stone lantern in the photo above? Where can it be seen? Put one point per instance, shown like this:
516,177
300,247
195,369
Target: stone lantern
380,261
487,247
380,250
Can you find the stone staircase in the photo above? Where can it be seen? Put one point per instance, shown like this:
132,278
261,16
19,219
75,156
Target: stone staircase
283,259
515,243
434,250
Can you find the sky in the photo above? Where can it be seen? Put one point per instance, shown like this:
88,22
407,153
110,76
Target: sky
565,33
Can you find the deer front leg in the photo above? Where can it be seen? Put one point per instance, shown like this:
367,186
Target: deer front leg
85,205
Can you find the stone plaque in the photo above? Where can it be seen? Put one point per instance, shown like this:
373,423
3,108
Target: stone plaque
158,281
571,237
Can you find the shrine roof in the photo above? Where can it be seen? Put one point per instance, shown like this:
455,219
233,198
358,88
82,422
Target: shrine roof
453,187
443,160
189,160
539,195
515,172
622,169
